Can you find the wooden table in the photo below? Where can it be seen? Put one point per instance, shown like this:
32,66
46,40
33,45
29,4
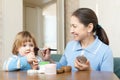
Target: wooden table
81,75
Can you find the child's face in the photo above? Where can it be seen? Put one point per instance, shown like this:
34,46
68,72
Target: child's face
26,48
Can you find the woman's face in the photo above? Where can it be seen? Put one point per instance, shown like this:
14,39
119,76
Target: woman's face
26,48
78,30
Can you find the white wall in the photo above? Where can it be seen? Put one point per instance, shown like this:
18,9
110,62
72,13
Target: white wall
0,20
0,28
50,26
12,17
33,23
0,6
31,20
56,25
50,10
50,31
108,12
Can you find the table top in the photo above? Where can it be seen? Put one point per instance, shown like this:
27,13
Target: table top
80,75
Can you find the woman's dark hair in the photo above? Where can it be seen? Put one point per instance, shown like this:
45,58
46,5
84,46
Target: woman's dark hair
86,16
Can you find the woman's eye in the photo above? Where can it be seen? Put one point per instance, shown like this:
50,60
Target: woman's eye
74,26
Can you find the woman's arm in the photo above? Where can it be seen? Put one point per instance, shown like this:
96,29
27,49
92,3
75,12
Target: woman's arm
62,62
107,62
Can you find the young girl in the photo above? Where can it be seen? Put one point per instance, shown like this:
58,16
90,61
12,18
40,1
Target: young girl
23,57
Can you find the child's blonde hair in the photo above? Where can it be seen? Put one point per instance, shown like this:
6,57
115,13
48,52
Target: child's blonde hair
22,37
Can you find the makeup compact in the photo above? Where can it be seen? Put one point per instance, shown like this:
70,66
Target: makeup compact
82,59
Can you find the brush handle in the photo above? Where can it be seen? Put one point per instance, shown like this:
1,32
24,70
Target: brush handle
49,49
53,49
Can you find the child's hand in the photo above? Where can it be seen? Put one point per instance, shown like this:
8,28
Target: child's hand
30,57
34,65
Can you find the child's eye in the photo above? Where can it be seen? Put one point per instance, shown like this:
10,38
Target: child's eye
24,45
31,45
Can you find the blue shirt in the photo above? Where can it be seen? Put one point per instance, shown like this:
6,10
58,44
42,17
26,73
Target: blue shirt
17,62
98,53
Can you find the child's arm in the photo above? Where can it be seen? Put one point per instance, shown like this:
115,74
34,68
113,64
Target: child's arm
16,63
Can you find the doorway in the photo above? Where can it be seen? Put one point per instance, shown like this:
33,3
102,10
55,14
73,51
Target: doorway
46,22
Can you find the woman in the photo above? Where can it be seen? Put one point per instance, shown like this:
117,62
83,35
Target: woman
90,40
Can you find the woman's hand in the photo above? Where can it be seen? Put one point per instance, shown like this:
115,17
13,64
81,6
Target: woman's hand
46,54
81,66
